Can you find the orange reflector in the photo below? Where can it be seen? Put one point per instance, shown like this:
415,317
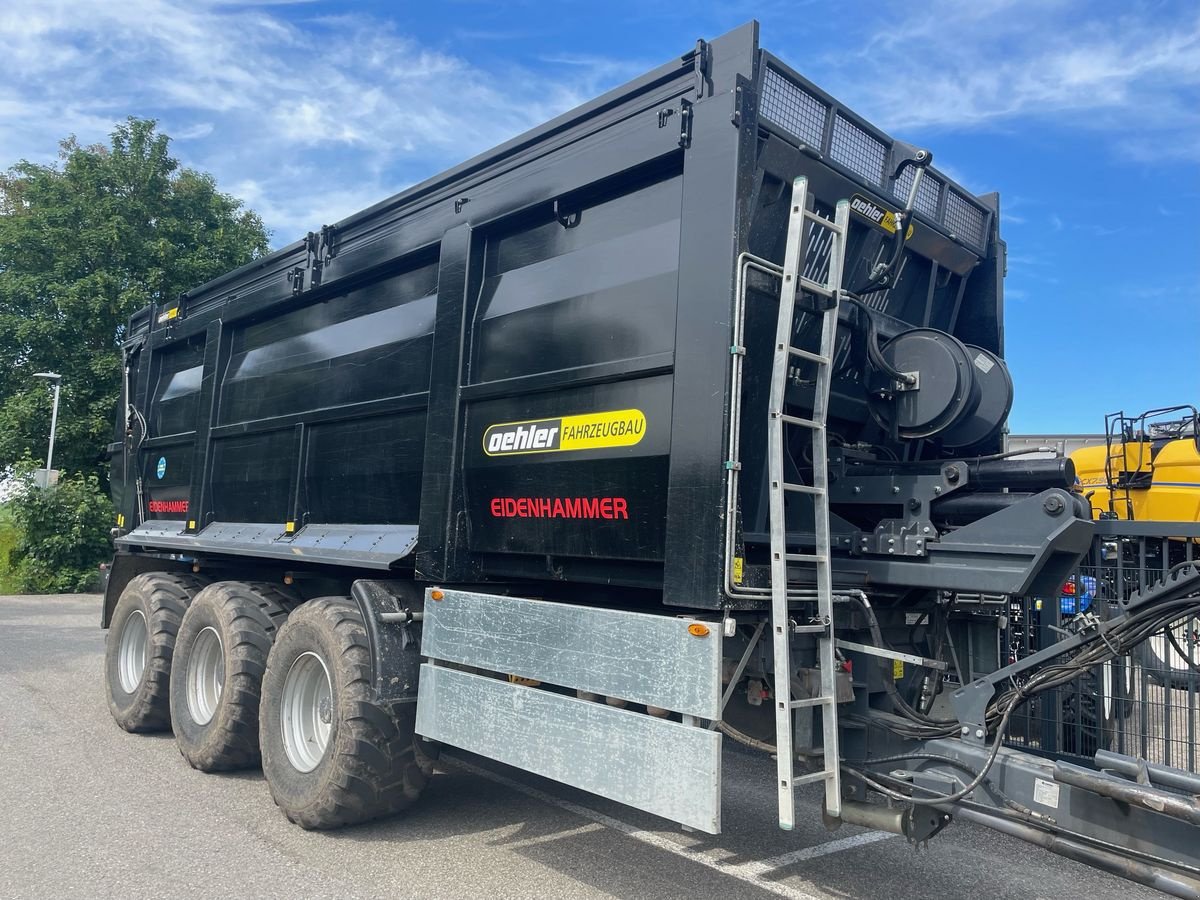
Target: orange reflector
698,629
435,594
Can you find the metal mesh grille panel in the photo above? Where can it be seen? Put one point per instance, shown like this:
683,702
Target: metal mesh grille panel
804,114
927,193
964,220
793,108
858,151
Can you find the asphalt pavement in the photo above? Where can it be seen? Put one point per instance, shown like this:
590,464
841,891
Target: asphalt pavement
87,810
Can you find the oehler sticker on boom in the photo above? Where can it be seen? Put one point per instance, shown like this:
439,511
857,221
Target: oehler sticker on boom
590,431
876,214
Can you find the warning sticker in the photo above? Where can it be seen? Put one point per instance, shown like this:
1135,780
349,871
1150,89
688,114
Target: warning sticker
1045,793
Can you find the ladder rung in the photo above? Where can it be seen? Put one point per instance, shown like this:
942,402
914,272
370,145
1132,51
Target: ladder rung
810,778
815,287
809,701
806,557
810,629
803,489
811,357
821,220
805,423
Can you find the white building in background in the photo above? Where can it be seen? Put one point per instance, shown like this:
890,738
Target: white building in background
1061,444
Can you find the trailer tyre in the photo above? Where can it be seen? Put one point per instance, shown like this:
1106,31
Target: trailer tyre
140,647
216,681
332,757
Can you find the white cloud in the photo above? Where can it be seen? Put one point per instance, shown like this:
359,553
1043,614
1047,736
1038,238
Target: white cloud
192,132
1134,73
307,119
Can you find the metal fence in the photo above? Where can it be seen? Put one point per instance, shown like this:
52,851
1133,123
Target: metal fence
1146,704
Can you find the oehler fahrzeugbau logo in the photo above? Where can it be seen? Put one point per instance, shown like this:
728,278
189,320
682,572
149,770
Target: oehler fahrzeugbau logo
876,214
590,431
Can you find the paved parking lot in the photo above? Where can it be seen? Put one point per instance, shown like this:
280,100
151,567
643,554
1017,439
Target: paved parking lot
90,811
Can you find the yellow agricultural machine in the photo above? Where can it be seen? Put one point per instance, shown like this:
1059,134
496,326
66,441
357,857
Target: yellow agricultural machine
1148,470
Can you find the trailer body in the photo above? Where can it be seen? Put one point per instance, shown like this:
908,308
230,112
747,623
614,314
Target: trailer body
516,417
521,369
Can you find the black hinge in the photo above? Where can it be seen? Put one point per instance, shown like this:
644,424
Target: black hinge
328,242
312,251
296,276
702,63
685,124
320,247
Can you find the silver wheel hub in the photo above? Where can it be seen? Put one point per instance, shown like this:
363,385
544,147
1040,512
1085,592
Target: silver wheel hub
306,714
1108,689
205,676
131,654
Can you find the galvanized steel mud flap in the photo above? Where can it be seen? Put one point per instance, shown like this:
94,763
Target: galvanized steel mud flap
663,766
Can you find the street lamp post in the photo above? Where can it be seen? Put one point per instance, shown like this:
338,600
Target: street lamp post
57,380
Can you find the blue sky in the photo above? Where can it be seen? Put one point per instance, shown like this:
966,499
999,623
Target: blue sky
1084,115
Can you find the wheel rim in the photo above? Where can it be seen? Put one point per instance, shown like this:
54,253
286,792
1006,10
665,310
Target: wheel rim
1108,690
205,676
131,656
1187,635
307,713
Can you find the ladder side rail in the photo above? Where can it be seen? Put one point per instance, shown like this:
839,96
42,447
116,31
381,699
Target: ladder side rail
780,633
827,654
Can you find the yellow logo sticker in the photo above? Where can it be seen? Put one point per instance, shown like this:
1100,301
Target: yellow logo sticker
876,214
591,431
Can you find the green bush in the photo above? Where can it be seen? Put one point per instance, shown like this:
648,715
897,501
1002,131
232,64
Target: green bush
8,540
62,535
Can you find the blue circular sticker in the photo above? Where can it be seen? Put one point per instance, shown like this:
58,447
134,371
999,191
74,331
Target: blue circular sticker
161,469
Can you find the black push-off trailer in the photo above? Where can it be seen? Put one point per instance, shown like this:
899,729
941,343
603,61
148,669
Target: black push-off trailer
501,463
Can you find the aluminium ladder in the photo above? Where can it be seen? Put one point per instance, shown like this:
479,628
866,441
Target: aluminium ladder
827,295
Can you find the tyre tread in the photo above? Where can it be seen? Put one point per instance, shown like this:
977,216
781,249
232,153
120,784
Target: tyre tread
378,768
168,596
253,613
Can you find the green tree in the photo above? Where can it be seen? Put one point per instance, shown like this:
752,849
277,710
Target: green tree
84,244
